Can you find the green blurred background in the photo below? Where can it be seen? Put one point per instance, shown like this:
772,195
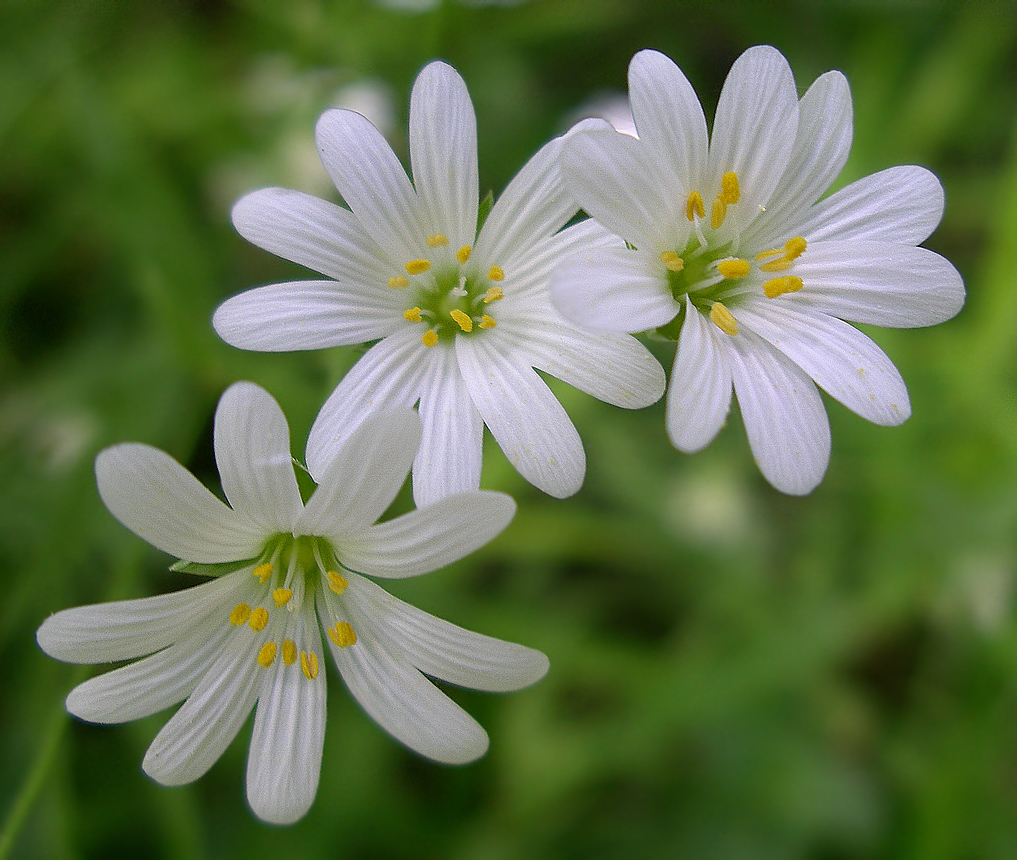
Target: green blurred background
735,673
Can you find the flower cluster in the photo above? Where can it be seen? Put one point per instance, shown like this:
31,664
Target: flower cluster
723,244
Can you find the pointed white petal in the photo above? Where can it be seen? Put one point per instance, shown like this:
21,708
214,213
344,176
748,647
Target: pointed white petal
902,205
302,315
879,283
364,476
252,452
699,393
783,413
842,361
450,453
443,152
284,761
164,504
610,176
428,538
386,378
613,289
125,629
447,652
313,233
372,182
399,699
668,117
524,417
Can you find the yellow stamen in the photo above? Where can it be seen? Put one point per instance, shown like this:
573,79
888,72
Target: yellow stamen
438,240
496,273
342,634
259,618
493,294
463,254
672,262
793,249
694,207
282,596
462,320
412,315
729,190
718,213
336,582
266,656
241,612
417,267
263,571
780,286
289,650
721,317
487,322
773,252
309,665
734,268
429,337
399,282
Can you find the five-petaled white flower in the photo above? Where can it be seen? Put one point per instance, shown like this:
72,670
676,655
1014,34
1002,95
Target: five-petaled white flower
463,318
253,634
732,256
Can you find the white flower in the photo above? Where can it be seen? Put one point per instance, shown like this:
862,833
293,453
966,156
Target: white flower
253,634
734,258
463,320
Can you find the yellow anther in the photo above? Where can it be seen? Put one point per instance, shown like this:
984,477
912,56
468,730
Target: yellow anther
721,317
263,571
342,634
417,267
694,207
773,252
399,282
793,249
266,656
462,320
463,254
259,618
496,273
493,294
672,262
412,315
438,240
729,190
309,665
487,322
718,213
289,650
780,286
429,337
734,268
336,582
282,596
241,612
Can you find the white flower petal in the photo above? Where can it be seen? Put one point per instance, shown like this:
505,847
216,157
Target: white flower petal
284,761
613,289
668,117
609,175
447,652
401,700
783,413
449,458
842,361
386,378
428,538
524,417
880,283
252,452
902,205
164,504
443,153
372,182
364,476
699,394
